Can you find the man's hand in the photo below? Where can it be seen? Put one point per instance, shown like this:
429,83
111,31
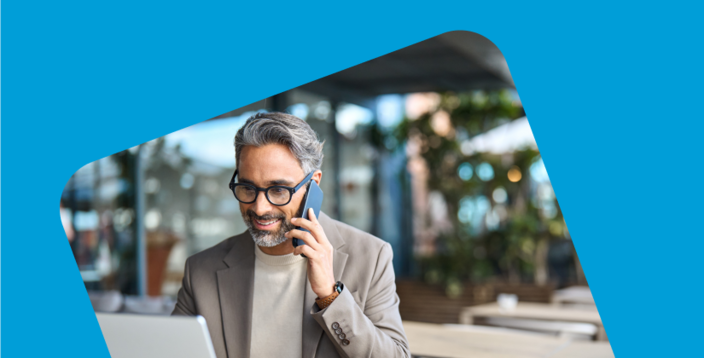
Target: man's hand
319,252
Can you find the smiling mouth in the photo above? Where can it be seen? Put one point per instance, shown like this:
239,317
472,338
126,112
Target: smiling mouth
266,224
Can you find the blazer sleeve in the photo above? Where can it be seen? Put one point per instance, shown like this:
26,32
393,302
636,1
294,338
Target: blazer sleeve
185,304
376,331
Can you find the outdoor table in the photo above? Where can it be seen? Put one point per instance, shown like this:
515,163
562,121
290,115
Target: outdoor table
585,350
458,341
536,311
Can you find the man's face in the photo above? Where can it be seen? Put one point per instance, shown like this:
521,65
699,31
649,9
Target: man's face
266,166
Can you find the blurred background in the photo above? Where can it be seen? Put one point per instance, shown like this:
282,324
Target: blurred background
428,148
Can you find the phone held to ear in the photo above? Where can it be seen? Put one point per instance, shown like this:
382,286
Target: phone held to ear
313,199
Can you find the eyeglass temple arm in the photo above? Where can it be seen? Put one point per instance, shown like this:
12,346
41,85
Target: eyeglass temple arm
232,180
304,182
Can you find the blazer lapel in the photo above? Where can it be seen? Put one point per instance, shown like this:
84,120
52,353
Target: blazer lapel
339,258
312,332
236,290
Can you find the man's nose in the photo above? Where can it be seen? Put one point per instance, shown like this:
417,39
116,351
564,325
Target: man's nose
262,206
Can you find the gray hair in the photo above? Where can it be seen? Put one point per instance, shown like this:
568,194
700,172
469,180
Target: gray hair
282,128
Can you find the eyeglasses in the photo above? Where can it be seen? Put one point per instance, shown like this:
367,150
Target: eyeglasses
278,195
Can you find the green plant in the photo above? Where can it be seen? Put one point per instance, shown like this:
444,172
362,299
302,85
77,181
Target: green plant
514,249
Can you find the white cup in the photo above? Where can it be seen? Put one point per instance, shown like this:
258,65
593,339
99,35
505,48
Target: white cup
507,302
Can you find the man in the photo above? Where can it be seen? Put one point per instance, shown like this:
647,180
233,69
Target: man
259,295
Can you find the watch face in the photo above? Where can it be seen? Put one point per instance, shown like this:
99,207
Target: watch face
338,287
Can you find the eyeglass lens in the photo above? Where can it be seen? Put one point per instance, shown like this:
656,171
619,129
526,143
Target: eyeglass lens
277,196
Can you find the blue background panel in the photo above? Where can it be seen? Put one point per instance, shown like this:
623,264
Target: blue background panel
611,91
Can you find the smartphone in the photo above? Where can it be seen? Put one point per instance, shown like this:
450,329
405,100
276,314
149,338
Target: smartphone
313,199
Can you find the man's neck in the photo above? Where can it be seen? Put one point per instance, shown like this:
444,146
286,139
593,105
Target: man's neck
283,248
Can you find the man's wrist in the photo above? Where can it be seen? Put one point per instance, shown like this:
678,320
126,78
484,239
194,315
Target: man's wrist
329,290
328,299
326,293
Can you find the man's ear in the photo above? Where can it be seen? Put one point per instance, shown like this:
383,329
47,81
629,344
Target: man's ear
317,176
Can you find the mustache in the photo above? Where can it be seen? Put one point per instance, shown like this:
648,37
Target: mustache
265,217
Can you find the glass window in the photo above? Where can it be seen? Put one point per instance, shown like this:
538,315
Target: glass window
97,208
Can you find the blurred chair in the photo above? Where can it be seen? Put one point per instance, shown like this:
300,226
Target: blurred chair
106,301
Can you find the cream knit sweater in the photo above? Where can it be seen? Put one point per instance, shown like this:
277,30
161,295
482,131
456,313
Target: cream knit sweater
277,309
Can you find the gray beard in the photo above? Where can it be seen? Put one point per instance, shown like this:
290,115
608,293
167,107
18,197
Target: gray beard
266,238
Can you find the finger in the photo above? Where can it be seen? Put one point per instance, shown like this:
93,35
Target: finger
304,223
311,216
306,250
314,220
308,225
313,226
317,258
305,236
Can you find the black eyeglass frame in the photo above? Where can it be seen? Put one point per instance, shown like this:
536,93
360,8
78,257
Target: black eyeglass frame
293,190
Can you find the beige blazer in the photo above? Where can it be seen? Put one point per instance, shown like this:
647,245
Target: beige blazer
218,285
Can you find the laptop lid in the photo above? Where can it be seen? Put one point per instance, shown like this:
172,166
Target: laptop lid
144,336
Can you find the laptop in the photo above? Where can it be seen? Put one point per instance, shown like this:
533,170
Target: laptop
144,336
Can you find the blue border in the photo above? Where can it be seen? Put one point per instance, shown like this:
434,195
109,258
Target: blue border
612,92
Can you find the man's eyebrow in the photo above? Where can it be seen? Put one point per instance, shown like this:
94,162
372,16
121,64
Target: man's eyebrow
280,182
269,183
240,180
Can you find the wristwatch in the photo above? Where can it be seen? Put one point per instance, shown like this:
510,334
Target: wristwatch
325,302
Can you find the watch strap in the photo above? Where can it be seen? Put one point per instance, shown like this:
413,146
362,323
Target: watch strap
324,302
